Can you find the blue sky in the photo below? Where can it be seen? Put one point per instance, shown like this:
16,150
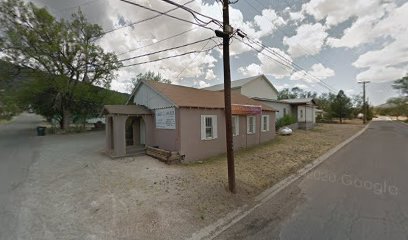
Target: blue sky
339,42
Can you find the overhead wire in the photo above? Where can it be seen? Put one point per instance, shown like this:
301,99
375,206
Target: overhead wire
165,50
203,25
159,41
168,57
146,19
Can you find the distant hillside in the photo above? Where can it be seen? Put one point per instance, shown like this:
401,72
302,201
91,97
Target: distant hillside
13,78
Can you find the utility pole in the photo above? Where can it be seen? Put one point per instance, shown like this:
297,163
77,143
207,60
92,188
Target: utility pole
225,34
364,101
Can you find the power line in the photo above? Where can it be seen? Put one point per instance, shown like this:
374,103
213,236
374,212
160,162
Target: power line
145,20
297,67
165,50
193,12
161,40
290,65
171,16
281,30
173,56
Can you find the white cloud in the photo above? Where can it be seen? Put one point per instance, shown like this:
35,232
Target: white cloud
308,40
381,74
386,20
281,87
269,64
210,75
250,70
316,71
335,12
201,84
321,72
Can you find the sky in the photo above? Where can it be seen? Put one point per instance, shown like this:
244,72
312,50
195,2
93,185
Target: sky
317,45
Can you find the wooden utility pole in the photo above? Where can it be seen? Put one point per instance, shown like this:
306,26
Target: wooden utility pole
226,34
364,101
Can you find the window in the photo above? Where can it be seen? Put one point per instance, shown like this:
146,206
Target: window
301,113
208,127
265,123
251,124
235,125
284,111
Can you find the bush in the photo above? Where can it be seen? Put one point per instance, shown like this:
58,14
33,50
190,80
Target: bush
286,120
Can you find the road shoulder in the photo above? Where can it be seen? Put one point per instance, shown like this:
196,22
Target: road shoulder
215,229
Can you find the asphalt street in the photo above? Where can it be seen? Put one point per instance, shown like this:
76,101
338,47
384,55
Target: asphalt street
360,192
18,144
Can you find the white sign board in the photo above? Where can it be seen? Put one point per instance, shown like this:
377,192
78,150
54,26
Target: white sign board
165,118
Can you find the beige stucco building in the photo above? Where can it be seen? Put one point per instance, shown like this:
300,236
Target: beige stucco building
186,123
261,89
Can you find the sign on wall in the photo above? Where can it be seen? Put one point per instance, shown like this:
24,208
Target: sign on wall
240,109
165,118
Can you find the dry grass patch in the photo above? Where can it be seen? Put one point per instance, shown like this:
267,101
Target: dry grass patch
262,166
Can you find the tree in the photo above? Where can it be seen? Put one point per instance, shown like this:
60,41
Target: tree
64,50
402,84
295,92
146,76
398,106
341,106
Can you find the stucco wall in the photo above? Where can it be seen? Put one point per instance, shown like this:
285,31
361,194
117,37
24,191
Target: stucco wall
280,107
168,139
308,113
190,132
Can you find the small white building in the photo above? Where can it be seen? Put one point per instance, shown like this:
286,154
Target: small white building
261,89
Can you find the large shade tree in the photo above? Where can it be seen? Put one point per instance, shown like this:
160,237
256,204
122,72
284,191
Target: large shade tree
66,51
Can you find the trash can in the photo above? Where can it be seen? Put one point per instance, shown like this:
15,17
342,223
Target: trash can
41,131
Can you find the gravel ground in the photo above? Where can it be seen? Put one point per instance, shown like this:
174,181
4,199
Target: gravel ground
73,191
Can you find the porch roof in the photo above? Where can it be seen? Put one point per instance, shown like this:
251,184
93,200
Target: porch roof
126,110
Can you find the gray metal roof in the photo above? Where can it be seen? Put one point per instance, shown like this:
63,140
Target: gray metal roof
234,84
299,100
126,110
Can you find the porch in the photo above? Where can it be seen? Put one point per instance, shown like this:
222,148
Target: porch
125,130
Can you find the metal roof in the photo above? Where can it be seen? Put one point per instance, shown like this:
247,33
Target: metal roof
239,83
183,96
126,110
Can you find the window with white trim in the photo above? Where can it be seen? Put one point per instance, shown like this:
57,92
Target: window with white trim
208,127
284,111
265,123
235,125
251,124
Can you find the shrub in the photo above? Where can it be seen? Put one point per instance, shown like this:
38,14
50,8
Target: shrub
284,121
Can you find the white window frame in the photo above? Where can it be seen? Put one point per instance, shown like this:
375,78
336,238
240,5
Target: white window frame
263,123
249,126
235,122
214,131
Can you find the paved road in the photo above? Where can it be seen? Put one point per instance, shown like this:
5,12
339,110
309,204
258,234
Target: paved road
18,143
361,192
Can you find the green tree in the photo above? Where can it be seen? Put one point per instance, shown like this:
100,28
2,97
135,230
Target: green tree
150,75
65,50
341,106
398,106
402,85
295,92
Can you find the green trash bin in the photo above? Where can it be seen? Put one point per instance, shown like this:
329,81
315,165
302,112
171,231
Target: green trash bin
41,131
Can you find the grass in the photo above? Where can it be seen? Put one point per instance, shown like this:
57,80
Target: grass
259,167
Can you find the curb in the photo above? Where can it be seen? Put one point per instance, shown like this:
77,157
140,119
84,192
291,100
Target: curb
215,229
